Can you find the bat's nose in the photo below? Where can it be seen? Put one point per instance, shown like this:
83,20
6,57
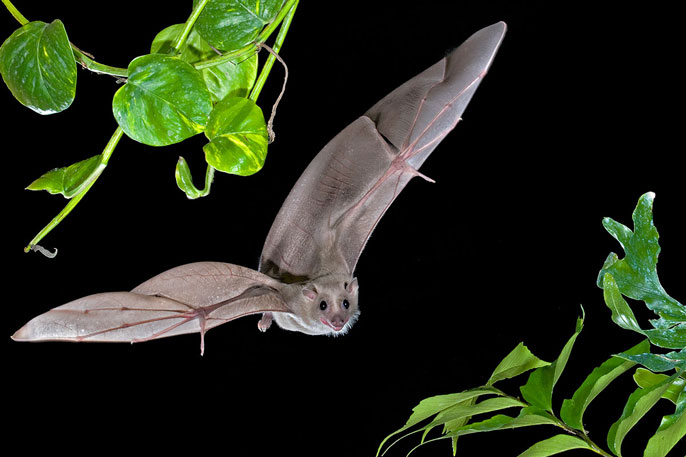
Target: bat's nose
337,322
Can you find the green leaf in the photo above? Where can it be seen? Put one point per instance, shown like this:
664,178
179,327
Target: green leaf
238,137
527,417
466,409
646,379
636,274
669,336
163,102
671,430
555,445
638,404
38,66
229,79
231,24
519,361
184,179
434,405
573,409
70,180
659,362
538,389
622,314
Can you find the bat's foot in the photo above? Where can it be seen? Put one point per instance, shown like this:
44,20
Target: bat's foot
265,322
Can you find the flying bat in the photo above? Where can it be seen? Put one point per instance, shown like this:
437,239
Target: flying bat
304,280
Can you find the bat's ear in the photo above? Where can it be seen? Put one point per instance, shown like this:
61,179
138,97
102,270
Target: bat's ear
351,288
310,292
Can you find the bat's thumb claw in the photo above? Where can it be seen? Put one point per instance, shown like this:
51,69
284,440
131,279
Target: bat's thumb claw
266,322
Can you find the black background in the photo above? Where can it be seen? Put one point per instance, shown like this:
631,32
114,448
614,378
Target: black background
579,115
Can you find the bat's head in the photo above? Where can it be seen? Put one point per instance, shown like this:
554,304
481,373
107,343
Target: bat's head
323,306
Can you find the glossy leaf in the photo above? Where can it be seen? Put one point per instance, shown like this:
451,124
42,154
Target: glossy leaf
538,390
555,445
573,409
636,274
238,137
38,66
672,429
163,102
622,315
646,379
231,24
184,179
229,79
659,362
638,404
70,180
519,361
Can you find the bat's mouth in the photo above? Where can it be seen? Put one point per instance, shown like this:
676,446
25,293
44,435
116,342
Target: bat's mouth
336,328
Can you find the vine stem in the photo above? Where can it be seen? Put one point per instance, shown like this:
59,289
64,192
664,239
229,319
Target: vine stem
285,17
183,36
81,57
15,12
254,46
276,47
105,157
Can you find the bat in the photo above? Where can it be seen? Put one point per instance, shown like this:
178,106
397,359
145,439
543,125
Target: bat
304,280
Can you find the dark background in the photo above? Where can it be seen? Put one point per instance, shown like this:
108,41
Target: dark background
579,115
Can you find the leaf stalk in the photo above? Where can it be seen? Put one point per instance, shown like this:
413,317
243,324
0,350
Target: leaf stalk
105,157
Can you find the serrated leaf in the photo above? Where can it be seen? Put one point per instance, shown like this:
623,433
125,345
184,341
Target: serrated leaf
238,137
646,379
638,404
70,180
163,102
573,409
519,361
231,24
636,274
671,430
538,389
229,79
555,445
38,66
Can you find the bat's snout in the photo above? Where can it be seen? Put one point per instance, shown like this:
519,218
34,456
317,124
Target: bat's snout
337,323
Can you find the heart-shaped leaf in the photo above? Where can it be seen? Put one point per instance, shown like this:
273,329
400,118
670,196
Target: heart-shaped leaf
37,64
229,79
163,102
238,137
231,24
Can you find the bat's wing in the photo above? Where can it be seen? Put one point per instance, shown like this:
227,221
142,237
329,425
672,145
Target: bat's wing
346,189
186,299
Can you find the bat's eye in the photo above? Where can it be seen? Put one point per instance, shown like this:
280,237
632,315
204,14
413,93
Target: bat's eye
346,304
323,305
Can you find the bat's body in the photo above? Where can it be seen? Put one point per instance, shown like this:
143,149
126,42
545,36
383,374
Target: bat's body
305,280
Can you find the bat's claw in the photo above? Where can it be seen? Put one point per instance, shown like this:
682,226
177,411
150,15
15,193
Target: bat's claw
265,322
